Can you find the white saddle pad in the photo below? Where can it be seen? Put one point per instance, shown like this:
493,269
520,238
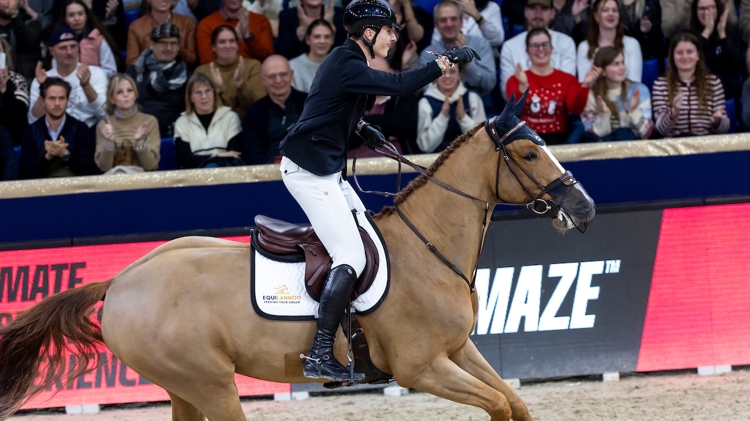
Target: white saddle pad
277,287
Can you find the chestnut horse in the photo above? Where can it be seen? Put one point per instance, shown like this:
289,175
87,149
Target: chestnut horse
181,316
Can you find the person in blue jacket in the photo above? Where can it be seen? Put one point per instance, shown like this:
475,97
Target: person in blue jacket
314,157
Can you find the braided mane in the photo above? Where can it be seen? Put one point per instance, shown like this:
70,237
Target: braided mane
421,179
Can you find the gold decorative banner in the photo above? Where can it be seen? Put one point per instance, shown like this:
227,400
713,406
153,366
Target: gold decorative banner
259,173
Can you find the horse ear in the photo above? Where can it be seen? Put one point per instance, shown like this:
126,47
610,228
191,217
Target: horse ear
508,111
521,102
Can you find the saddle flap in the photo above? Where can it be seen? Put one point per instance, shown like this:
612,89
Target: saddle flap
280,237
318,264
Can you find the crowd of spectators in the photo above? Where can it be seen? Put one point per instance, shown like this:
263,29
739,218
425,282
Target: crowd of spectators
96,86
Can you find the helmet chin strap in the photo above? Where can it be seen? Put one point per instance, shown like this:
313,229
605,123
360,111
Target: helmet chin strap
370,44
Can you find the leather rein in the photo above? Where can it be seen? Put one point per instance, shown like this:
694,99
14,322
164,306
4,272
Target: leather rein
390,151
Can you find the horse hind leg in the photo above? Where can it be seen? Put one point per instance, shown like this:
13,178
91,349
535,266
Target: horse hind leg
183,410
447,380
471,360
218,401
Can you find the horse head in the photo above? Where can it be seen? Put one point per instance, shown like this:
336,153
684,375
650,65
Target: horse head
532,175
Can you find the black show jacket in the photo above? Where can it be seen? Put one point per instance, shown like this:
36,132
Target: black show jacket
344,86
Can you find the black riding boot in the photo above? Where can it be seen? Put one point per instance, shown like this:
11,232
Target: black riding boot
334,298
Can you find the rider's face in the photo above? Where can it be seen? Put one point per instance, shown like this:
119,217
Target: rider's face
386,38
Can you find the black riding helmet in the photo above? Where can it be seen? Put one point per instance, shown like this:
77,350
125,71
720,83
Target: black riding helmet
374,14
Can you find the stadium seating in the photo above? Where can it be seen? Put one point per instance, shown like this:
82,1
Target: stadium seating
650,73
168,155
732,114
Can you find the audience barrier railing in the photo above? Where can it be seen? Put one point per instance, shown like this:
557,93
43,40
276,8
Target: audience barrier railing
74,210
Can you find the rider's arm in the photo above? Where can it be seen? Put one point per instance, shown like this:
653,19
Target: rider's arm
361,79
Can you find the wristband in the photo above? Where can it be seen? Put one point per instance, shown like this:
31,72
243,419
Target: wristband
440,64
480,21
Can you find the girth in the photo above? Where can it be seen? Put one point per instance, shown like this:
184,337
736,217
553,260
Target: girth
281,238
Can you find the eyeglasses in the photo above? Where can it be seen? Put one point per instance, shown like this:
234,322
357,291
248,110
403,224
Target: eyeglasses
205,92
540,45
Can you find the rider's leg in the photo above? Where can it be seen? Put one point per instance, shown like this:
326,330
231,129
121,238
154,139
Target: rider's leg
351,196
327,207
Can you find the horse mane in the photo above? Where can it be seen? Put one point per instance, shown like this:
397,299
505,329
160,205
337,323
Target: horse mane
421,180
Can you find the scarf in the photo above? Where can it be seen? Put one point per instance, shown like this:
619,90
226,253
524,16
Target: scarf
162,76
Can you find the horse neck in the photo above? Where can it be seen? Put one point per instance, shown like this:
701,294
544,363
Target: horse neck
450,222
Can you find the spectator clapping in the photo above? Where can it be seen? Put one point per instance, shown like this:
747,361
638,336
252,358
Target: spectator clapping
689,100
128,140
617,108
236,79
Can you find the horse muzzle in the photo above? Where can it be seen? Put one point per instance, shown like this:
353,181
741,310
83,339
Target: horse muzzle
571,205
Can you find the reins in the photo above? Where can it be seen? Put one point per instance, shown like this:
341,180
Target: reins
391,152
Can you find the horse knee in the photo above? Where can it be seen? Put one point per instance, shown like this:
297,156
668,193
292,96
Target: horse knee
502,410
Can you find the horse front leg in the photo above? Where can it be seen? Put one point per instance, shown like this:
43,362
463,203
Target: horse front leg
447,380
473,362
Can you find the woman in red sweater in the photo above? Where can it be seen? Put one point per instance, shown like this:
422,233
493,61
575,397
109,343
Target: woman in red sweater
552,93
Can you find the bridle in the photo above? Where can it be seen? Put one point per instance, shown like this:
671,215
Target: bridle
557,189
536,204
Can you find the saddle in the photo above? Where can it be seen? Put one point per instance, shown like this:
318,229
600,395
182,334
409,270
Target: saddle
290,240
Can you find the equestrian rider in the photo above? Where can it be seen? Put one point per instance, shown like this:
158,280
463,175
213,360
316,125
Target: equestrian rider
314,156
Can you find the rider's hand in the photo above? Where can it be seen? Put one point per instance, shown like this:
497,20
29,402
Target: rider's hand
372,135
462,55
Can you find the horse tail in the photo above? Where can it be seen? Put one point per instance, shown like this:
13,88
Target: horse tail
32,345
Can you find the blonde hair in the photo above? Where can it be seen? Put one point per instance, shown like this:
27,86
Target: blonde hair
114,82
200,78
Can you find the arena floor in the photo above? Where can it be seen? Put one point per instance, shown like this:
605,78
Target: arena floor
674,396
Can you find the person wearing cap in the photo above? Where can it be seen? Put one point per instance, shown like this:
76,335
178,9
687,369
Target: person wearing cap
477,76
539,14
252,28
314,158
88,83
161,76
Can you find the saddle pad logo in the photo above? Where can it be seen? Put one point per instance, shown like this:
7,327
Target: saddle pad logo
281,295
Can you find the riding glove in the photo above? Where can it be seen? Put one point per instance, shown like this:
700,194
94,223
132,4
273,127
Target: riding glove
462,55
371,135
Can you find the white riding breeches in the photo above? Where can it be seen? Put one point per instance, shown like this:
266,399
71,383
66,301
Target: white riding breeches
328,202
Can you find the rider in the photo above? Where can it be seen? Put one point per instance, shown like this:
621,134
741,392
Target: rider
314,157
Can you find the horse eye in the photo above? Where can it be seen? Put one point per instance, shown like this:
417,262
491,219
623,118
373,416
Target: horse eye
530,156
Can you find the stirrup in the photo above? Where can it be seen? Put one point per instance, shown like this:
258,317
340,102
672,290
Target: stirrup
351,378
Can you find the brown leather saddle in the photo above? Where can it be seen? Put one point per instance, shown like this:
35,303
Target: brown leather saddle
286,239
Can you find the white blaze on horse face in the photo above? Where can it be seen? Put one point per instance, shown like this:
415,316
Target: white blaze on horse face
552,158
